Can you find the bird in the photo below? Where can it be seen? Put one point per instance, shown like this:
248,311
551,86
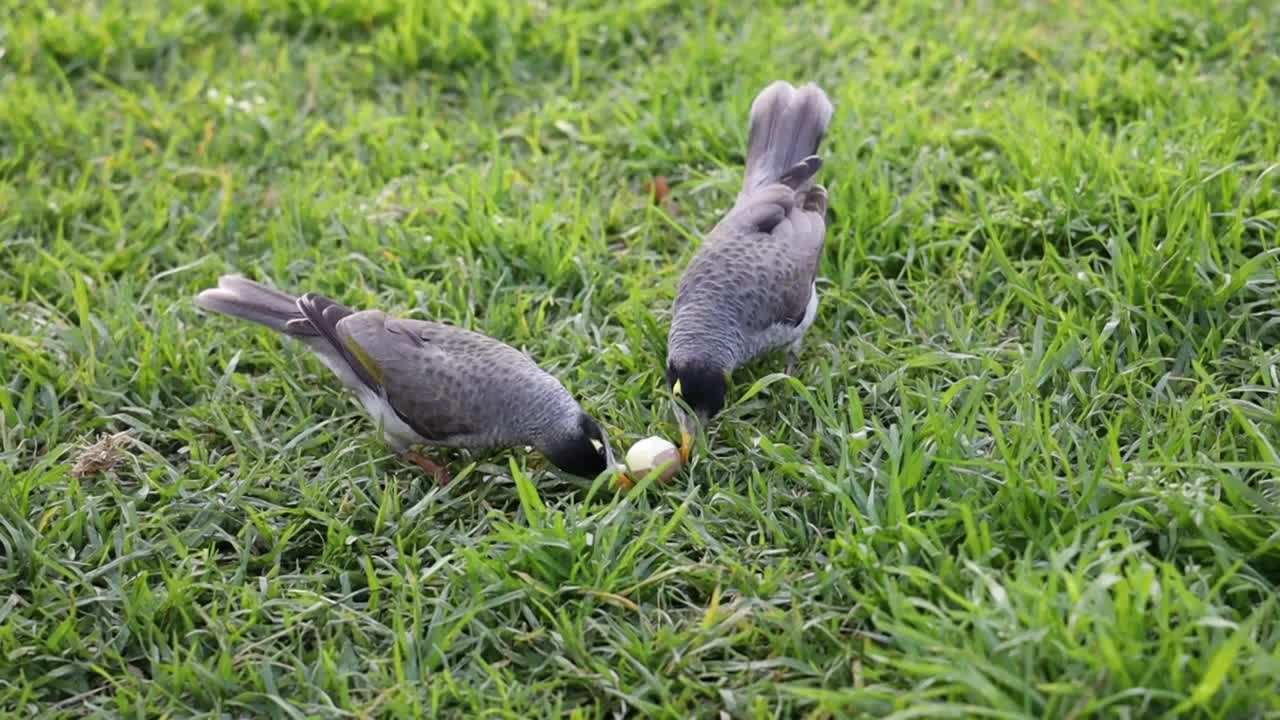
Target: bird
428,384
751,287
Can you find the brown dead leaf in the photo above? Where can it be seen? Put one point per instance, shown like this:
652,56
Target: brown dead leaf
101,456
203,149
658,189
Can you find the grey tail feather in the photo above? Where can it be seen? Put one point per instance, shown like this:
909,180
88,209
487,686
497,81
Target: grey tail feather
787,125
243,298
800,174
324,315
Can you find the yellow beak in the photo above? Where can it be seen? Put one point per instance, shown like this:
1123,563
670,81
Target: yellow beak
686,437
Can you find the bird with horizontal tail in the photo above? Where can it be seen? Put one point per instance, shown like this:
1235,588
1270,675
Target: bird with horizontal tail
751,287
426,383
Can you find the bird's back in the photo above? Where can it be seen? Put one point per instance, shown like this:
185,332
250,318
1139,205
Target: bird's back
457,385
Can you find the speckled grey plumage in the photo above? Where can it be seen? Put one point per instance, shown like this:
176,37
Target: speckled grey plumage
428,383
750,287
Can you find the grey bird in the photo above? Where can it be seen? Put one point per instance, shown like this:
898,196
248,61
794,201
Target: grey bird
751,288
428,384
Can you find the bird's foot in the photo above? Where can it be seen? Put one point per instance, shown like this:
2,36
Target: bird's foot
793,359
435,470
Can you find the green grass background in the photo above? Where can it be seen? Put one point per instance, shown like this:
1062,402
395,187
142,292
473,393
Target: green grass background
1027,469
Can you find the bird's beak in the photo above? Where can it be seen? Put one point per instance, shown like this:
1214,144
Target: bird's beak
623,478
686,437
685,423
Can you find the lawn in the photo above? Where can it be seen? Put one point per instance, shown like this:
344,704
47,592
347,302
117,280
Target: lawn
1028,466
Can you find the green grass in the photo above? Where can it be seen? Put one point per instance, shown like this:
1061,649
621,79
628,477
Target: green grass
1027,468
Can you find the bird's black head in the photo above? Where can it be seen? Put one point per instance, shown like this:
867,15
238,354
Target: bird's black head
702,386
583,452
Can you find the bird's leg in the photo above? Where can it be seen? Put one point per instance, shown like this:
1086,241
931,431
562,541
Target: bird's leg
793,358
793,355
435,470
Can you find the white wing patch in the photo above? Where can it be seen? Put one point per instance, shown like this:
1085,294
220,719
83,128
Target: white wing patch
810,310
395,431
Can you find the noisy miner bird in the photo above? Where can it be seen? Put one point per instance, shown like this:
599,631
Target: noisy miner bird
428,384
751,287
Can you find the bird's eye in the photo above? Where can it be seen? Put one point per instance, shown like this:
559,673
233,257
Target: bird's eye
597,444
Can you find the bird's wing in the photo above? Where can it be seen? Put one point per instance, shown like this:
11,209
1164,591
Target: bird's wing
434,376
424,384
804,245
763,256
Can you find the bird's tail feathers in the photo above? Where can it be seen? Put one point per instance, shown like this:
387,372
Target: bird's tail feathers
241,297
787,125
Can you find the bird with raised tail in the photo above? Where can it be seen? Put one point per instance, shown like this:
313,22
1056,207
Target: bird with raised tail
426,383
751,286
